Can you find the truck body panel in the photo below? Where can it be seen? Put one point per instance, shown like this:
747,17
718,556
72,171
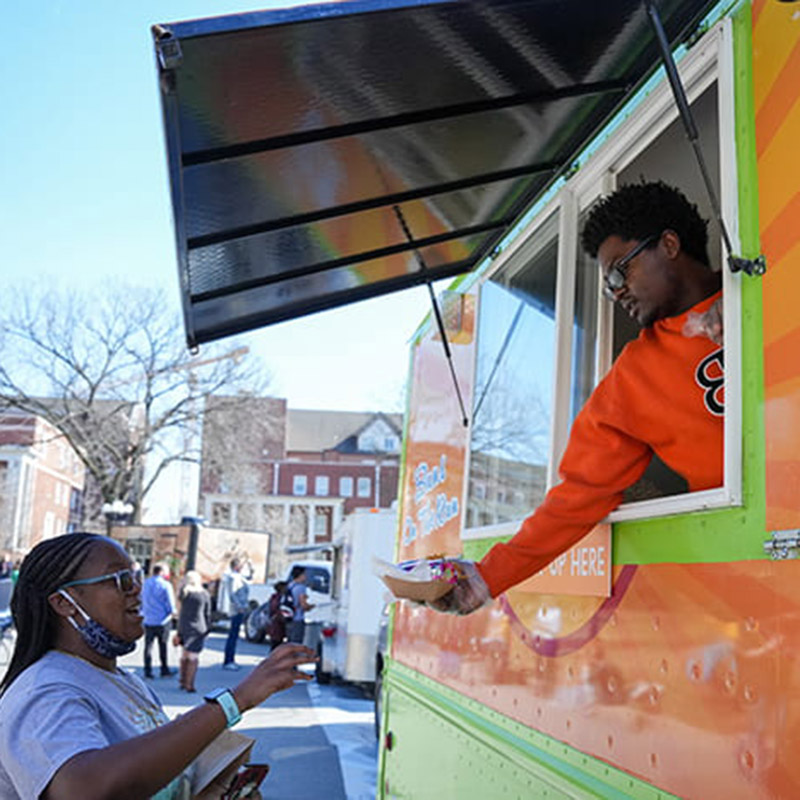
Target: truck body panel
681,682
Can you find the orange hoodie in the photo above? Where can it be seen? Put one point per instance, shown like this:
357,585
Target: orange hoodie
664,394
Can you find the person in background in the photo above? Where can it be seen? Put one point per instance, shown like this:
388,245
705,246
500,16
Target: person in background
277,616
194,623
664,394
158,607
298,592
6,566
72,724
238,594
15,571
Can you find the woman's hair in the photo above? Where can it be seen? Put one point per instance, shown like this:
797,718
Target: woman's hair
640,210
48,566
192,582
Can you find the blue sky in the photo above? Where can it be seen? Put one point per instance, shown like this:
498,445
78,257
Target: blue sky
85,192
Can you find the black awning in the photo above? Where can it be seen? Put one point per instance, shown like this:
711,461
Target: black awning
324,154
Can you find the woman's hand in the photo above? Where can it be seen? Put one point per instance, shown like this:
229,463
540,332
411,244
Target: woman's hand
274,674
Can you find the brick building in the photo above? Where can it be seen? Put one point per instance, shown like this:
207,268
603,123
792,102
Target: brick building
41,482
294,473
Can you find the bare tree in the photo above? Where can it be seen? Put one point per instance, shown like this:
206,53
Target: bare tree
110,370
509,447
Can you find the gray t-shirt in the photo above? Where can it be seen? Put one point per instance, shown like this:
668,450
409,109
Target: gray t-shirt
61,706
298,590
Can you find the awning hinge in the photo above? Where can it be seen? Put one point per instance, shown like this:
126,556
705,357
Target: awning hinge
783,545
751,266
167,47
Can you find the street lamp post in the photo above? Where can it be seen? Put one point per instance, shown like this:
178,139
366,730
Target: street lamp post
118,511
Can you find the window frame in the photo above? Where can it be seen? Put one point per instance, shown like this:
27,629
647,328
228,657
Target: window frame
710,61
296,479
368,492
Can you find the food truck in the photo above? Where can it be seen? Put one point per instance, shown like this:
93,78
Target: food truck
325,154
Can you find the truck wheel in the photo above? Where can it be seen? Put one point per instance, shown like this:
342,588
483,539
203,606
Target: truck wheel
322,676
253,631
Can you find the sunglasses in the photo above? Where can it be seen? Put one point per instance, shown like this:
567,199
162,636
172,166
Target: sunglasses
126,580
614,279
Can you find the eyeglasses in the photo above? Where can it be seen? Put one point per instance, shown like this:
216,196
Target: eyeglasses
614,279
126,580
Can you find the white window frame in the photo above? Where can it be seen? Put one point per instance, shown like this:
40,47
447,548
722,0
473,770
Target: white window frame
514,259
711,60
322,485
342,480
368,491
299,485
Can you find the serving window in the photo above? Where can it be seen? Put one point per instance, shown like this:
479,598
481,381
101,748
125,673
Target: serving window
545,342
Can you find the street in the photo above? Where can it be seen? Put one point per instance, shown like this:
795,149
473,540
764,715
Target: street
318,740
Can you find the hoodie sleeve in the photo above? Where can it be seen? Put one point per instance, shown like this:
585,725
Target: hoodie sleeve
602,459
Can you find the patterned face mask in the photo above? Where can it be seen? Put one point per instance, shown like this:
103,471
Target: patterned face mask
97,636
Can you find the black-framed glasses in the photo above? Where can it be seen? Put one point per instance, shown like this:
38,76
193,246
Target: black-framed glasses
126,580
615,278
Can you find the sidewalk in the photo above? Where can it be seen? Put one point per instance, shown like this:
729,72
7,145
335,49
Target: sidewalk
291,734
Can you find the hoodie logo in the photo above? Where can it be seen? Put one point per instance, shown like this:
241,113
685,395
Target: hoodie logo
710,376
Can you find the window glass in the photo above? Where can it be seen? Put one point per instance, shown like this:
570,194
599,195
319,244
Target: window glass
323,523
514,385
299,484
364,487
346,487
321,485
318,579
221,514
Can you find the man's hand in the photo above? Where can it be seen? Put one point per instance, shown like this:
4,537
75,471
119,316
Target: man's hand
468,595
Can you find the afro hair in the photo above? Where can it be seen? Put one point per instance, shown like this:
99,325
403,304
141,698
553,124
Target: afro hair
640,210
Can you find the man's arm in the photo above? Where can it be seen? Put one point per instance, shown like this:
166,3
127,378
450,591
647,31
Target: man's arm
601,460
304,604
600,463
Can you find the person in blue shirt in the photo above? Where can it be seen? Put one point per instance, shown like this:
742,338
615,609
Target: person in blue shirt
158,608
300,604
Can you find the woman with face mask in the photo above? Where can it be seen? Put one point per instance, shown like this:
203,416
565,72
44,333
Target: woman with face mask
71,723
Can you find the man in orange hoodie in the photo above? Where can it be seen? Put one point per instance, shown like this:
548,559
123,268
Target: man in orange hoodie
663,395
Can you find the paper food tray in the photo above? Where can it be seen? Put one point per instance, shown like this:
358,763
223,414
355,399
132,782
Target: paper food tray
421,591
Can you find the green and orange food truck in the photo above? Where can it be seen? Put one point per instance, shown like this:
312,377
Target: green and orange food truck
320,155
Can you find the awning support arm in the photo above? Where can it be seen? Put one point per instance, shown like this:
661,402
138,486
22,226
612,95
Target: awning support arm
436,313
752,266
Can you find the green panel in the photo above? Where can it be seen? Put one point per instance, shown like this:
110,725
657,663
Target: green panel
447,746
729,534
